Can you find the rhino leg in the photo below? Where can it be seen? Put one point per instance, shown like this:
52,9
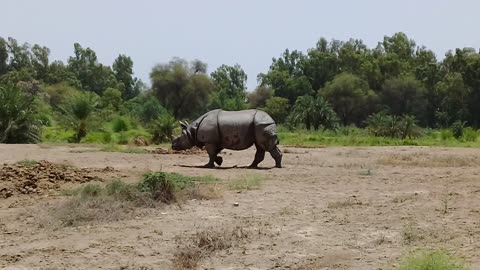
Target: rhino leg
259,156
219,160
277,156
213,151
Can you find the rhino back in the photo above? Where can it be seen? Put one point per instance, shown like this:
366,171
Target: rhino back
236,129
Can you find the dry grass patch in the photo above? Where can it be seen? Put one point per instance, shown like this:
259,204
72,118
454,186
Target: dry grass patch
247,182
420,159
93,203
405,197
349,202
205,243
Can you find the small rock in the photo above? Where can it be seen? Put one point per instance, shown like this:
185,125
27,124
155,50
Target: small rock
236,204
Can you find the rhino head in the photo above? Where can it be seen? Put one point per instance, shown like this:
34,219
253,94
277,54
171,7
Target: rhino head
184,141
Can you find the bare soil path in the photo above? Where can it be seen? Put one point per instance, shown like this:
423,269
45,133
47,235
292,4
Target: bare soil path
328,208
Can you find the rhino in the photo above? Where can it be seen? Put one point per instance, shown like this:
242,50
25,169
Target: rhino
234,130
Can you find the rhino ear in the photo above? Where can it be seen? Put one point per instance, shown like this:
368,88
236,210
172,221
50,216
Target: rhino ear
183,125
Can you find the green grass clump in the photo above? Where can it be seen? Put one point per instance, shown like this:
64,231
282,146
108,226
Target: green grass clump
431,260
120,124
123,149
27,162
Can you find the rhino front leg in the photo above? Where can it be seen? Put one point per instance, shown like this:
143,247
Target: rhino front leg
259,156
277,156
213,151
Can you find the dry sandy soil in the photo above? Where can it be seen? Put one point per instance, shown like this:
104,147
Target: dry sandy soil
328,208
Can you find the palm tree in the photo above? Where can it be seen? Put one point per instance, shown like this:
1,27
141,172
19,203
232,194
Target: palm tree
78,112
303,111
323,114
18,120
162,128
315,112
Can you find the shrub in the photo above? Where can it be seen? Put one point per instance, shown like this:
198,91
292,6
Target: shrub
159,186
162,128
119,124
457,128
19,122
470,135
383,124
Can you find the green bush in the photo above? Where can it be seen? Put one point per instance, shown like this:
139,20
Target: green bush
120,124
159,186
91,190
469,134
457,128
162,128
446,134
383,124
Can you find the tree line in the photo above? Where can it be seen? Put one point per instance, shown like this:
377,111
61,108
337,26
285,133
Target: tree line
335,83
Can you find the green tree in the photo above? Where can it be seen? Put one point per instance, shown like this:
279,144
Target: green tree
91,75
19,122
259,96
58,73
278,108
112,97
19,55
40,62
229,88
404,95
3,57
454,99
180,90
286,76
123,70
322,63
350,97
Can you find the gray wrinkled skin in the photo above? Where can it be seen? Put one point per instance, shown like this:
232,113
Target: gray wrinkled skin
234,130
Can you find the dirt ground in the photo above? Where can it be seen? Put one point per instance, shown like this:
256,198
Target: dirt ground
328,208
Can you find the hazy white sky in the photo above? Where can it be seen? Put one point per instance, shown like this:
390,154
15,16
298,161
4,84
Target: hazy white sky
247,32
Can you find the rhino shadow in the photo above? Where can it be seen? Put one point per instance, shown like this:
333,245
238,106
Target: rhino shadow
226,168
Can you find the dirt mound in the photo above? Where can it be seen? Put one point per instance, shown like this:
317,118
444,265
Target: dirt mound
42,176
192,151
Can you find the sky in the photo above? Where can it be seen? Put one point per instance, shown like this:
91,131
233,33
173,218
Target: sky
248,32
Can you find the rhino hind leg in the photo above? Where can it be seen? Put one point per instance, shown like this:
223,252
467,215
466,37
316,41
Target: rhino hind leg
259,157
277,156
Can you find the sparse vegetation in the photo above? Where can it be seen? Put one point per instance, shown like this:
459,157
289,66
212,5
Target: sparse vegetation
431,260
349,202
206,242
118,200
27,162
411,233
247,182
